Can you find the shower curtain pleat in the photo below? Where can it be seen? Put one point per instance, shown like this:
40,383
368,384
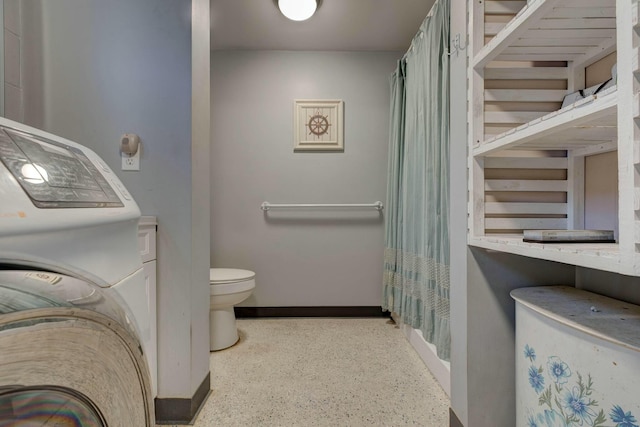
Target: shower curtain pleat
416,264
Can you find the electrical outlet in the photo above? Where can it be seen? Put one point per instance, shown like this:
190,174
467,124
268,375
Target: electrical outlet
131,162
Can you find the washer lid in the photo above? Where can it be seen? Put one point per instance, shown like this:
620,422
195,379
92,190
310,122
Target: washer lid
229,275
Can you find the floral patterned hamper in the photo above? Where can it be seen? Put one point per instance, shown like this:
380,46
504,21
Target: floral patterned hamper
577,359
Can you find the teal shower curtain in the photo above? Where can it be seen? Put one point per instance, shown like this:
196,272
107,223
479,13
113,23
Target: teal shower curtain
416,259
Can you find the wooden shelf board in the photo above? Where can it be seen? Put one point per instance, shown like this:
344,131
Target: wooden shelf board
493,28
589,124
600,256
533,33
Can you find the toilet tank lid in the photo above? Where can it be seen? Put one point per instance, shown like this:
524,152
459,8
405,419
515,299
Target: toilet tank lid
229,275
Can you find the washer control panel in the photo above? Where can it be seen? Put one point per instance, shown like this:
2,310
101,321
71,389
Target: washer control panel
53,174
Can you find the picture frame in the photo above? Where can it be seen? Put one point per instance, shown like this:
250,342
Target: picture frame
318,125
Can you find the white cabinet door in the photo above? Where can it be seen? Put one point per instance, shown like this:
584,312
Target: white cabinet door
149,269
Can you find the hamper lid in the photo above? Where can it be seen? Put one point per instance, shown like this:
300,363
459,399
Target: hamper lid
602,317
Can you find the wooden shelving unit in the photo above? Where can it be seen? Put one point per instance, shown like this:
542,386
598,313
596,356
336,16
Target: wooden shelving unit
526,153
588,123
600,256
579,31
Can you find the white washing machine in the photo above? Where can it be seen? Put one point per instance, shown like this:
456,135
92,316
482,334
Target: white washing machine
66,216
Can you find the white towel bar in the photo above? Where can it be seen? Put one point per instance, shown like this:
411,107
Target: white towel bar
377,205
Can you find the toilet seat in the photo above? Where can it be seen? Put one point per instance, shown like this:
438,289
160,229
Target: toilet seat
223,281
229,275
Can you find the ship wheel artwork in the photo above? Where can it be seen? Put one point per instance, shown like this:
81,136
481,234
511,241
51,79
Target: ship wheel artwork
318,124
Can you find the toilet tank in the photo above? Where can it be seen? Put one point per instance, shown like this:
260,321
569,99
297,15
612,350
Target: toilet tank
577,359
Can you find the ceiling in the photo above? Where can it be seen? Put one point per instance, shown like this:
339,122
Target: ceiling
338,25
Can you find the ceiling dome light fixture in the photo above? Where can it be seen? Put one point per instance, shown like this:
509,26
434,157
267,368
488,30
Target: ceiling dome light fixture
298,10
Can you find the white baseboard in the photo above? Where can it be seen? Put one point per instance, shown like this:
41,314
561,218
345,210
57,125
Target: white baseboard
440,369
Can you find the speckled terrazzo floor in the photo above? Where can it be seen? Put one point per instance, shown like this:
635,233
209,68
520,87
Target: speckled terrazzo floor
321,372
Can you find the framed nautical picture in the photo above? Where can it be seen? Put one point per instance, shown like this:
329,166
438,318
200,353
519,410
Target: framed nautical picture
318,125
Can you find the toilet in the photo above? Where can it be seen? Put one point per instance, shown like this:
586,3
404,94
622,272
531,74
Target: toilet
228,287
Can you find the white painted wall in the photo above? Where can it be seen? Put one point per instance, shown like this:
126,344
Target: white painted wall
98,69
200,203
11,62
301,258
458,216
489,347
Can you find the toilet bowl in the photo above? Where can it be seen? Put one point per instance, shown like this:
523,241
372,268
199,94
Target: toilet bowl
228,287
